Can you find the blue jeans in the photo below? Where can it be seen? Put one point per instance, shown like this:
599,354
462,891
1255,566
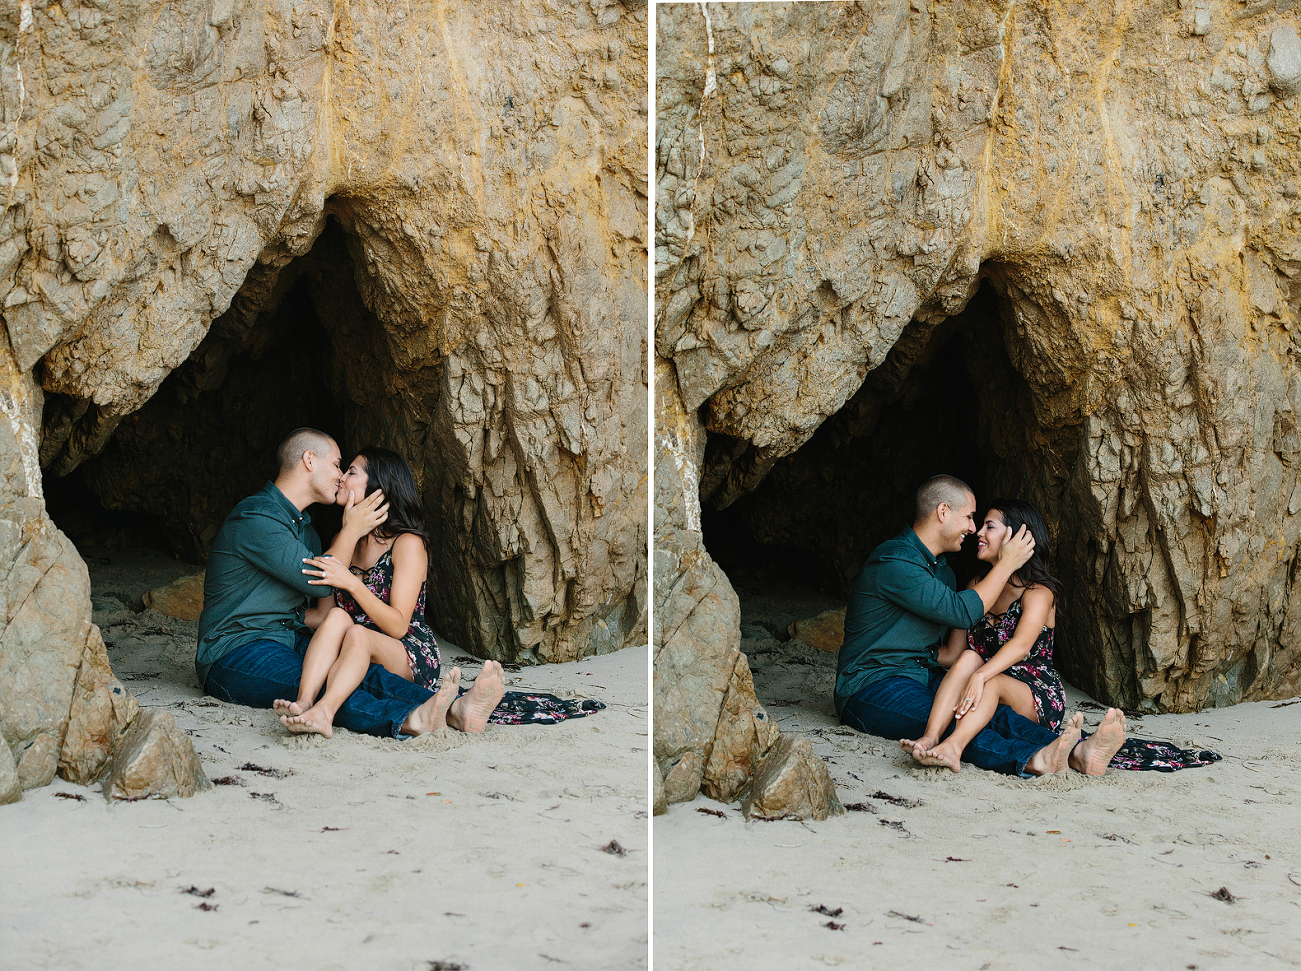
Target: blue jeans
898,708
262,671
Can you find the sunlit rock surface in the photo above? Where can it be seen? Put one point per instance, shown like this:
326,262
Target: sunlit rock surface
1119,182
482,292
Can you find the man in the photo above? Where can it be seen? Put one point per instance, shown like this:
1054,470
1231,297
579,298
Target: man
902,606
255,592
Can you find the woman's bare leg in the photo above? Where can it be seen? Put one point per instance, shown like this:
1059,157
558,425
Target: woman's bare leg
946,699
361,648
1003,689
322,652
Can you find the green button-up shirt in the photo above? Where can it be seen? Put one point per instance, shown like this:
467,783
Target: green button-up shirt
901,608
254,587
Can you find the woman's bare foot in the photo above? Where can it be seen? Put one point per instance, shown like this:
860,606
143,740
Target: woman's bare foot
469,713
432,715
283,707
314,721
923,744
940,755
1093,755
1055,757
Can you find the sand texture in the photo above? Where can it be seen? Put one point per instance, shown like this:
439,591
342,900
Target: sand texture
485,851
982,871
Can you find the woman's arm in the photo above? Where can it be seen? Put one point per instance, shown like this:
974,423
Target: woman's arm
410,563
956,643
1036,603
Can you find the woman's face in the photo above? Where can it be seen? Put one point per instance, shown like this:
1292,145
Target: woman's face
355,481
989,538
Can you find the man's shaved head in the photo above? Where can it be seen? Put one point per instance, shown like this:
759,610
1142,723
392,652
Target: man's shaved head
938,489
297,442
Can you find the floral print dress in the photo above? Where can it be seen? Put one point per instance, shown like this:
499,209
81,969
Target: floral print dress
422,649
1037,671
516,708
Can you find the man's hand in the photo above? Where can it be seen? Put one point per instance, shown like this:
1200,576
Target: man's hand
1017,550
359,518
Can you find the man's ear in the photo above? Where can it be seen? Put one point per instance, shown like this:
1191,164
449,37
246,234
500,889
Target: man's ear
942,511
309,460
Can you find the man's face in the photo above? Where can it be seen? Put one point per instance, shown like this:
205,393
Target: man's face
327,474
956,524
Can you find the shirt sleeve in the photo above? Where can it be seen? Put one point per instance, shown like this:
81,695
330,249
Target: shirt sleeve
913,588
272,547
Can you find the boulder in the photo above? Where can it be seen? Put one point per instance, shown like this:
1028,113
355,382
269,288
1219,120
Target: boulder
791,783
659,800
47,622
101,710
826,631
154,758
11,787
181,598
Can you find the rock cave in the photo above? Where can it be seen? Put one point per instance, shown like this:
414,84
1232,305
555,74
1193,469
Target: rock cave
396,224
852,204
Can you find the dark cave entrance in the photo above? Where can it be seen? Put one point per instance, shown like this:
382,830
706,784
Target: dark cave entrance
171,471
948,398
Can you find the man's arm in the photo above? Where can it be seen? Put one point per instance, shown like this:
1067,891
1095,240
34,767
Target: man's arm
271,546
912,587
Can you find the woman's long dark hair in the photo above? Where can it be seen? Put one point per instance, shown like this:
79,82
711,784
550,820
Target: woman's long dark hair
1016,514
390,472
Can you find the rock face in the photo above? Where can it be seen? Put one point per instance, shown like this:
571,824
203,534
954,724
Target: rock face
101,711
1055,251
478,302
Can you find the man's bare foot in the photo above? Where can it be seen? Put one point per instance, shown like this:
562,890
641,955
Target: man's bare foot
1093,755
469,713
314,721
432,715
1055,757
283,707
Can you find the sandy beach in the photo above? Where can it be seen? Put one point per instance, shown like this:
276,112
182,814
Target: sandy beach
1194,869
523,847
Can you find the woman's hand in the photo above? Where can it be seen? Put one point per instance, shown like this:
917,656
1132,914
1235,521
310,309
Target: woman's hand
971,695
359,518
332,572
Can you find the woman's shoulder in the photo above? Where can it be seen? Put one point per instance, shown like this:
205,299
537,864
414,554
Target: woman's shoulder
1037,593
407,545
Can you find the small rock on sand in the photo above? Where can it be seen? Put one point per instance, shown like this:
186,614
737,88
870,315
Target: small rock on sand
792,783
182,599
826,631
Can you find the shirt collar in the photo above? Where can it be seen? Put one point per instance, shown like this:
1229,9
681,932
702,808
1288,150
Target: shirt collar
931,560
298,517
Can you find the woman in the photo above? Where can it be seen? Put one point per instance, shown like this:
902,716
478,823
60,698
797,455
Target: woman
1007,658
376,615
